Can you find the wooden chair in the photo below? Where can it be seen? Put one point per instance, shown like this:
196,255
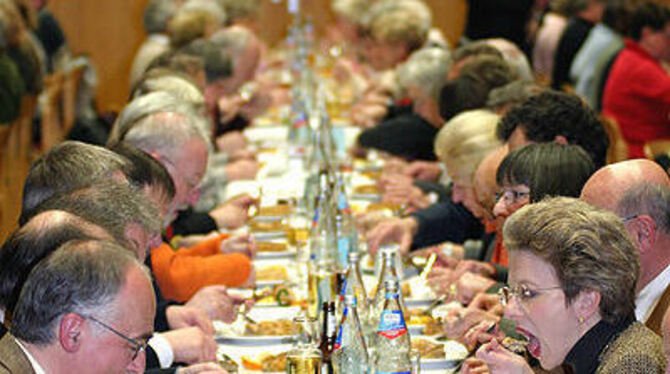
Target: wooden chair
17,155
618,148
71,82
51,106
656,148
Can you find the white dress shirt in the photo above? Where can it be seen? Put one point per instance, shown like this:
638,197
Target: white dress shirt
36,366
646,300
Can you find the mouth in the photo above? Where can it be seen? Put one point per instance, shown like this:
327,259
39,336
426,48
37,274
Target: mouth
533,346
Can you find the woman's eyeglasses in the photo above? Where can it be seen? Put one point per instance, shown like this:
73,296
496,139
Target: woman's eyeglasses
511,196
522,292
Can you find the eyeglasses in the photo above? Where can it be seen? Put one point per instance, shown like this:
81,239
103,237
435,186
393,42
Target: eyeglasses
628,218
138,345
522,292
511,196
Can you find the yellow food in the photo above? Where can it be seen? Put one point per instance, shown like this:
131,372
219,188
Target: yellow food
366,189
428,349
269,328
251,364
271,273
276,210
265,226
270,247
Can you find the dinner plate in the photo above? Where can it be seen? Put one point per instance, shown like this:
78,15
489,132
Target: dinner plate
233,334
236,352
455,353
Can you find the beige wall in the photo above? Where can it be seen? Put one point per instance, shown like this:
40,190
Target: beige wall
110,31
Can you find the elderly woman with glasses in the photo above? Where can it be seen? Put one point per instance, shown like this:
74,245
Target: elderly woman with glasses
571,293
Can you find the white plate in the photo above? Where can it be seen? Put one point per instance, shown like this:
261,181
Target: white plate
233,334
455,352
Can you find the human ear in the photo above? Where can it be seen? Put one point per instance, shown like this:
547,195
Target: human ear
70,332
645,232
586,304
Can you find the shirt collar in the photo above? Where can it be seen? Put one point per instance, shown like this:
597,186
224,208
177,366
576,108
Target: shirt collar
648,297
584,357
36,366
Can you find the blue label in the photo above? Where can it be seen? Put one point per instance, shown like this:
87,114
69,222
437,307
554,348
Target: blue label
344,289
391,324
343,249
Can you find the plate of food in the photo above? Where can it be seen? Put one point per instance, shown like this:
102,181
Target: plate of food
439,355
267,229
274,249
270,272
273,325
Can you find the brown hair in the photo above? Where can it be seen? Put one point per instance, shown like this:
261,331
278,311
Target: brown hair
588,248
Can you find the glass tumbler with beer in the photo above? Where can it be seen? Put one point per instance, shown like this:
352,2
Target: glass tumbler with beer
305,357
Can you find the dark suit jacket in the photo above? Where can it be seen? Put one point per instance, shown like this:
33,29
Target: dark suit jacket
12,358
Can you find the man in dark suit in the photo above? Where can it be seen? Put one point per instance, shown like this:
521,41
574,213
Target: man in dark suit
87,297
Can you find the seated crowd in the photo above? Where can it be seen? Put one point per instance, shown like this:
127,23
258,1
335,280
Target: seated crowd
127,243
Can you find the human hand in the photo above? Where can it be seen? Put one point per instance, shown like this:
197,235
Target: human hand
234,212
469,285
242,154
185,316
460,320
256,105
473,365
394,165
500,360
231,142
203,368
242,169
216,302
399,230
488,303
191,345
243,243
424,171
476,267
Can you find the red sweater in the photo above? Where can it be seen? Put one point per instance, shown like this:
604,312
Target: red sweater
637,95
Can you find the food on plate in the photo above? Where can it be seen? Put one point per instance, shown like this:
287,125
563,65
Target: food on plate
266,226
270,247
275,210
271,273
427,348
265,362
383,206
366,189
269,328
226,363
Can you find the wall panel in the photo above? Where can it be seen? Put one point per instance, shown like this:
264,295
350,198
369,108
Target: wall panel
110,31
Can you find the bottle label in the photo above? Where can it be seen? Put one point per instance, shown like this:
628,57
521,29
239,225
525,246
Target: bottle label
393,372
391,324
338,340
343,249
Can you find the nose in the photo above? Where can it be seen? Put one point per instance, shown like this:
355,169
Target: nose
500,209
513,309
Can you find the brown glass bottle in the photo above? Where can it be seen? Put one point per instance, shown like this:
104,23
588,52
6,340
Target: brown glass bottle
328,336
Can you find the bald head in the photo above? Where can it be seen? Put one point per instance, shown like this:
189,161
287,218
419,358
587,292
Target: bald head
607,186
485,178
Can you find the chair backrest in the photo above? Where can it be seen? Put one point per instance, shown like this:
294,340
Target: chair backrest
71,83
618,148
656,148
51,107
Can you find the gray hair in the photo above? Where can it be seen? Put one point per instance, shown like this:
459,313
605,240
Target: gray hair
426,70
650,199
352,10
513,93
138,111
406,21
177,86
233,41
213,8
237,9
157,14
65,167
79,277
114,206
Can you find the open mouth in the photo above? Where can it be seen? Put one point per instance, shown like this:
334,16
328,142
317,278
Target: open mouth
533,346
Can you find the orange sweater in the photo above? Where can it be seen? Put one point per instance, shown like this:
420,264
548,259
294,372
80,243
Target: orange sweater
181,273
